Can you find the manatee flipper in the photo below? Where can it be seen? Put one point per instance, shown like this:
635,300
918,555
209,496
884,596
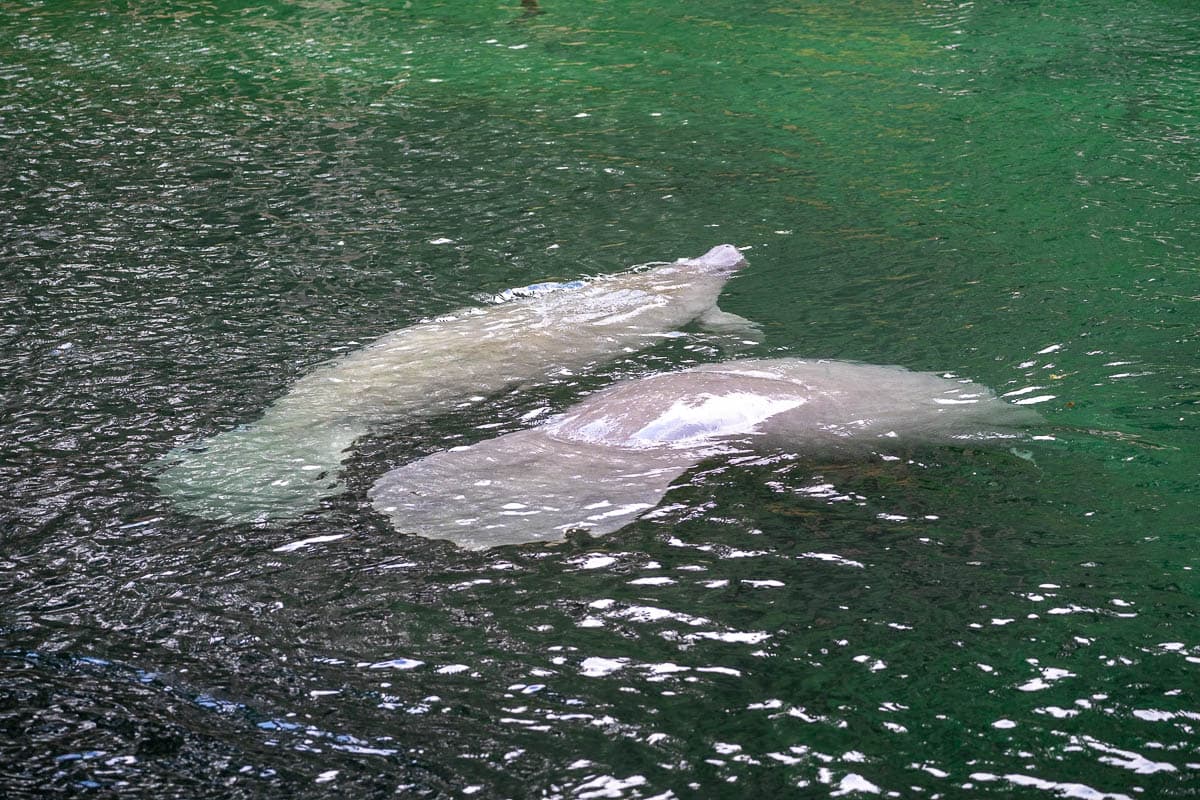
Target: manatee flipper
254,472
525,487
722,322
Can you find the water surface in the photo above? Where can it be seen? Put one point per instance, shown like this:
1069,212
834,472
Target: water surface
198,205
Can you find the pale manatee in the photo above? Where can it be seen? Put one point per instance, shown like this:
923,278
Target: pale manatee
287,461
613,456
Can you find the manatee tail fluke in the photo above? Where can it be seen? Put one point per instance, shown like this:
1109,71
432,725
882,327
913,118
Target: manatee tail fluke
524,487
258,472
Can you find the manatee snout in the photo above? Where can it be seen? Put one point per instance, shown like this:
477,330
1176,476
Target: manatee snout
722,258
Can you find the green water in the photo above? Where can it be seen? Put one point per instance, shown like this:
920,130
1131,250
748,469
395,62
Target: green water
200,202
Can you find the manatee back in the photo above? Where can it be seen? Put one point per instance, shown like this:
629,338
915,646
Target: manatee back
865,402
681,409
796,404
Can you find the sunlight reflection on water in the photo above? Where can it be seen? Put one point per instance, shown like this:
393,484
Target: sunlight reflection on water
196,209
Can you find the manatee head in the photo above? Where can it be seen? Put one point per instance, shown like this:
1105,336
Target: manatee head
722,259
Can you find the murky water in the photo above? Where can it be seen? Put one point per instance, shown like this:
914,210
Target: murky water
201,202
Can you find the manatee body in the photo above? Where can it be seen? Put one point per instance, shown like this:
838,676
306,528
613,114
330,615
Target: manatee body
287,461
613,456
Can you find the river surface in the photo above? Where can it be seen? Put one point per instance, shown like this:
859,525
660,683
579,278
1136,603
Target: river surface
200,202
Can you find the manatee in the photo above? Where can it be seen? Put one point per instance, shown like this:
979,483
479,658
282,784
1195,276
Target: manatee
612,457
288,460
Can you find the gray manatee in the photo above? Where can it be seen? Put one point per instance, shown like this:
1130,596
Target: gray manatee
612,457
288,460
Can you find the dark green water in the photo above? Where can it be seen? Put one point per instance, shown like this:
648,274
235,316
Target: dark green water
199,202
